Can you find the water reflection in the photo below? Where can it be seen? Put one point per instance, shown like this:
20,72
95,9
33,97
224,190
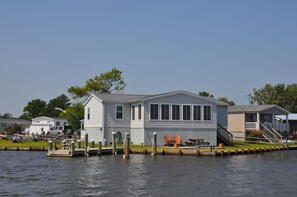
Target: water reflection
33,174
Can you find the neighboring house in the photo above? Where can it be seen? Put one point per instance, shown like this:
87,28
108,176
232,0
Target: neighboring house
175,113
44,124
8,123
246,118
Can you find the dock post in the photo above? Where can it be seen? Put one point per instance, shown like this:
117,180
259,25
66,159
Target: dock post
50,145
72,148
114,145
79,144
86,144
63,144
92,144
99,147
127,145
154,144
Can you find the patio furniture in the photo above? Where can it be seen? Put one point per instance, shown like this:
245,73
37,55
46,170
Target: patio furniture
177,141
168,141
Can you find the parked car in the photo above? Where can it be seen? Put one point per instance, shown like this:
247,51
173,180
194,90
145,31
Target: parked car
60,130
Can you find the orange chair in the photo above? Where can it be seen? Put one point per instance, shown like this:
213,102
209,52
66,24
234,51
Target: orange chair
177,139
168,142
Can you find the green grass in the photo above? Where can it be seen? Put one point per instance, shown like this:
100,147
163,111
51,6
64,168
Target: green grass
139,148
25,144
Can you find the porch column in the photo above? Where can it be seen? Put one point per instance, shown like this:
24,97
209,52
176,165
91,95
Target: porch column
258,121
287,123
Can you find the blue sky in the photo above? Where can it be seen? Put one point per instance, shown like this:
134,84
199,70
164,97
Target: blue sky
226,48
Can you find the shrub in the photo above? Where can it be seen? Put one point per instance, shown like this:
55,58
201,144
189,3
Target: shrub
254,134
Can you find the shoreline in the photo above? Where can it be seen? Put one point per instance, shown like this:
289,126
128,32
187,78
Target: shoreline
181,152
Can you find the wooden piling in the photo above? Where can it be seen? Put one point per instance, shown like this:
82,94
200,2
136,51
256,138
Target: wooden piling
78,144
154,144
72,150
127,145
50,145
114,144
92,144
99,147
86,144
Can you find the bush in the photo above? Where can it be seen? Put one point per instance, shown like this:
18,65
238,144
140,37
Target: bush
254,134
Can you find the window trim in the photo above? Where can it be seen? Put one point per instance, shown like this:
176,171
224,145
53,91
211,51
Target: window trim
201,114
151,112
183,112
211,118
122,112
169,118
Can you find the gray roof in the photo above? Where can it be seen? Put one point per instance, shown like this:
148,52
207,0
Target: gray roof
14,120
118,98
255,108
126,98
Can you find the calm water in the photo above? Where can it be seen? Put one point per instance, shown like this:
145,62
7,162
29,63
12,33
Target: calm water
33,174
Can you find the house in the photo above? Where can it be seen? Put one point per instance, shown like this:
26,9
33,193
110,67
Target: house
186,114
44,124
243,119
8,123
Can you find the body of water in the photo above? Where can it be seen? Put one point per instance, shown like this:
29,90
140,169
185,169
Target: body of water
33,174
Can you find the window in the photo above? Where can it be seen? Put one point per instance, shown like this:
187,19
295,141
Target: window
119,112
175,112
89,112
3,124
154,111
133,112
165,112
207,113
251,117
139,112
196,112
186,112
57,123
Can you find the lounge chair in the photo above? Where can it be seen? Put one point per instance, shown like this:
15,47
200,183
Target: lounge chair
168,142
177,140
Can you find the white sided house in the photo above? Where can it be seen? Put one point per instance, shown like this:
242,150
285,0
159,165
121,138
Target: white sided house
175,113
44,124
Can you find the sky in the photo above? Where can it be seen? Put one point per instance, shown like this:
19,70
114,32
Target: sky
226,48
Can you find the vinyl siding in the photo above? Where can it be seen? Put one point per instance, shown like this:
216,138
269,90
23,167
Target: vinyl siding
96,112
236,122
182,124
110,115
223,116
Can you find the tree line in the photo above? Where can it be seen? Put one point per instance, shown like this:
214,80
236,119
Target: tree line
113,81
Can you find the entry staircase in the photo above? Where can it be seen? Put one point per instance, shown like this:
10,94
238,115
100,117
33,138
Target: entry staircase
224,135
271,134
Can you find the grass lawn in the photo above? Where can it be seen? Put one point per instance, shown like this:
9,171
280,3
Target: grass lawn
25,144
139,148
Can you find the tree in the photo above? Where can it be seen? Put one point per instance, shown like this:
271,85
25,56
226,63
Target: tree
282,95
205,94
35,108
6,116
105,82
61,102
73,115
226,100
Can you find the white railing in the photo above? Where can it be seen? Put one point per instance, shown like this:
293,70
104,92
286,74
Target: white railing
251,125
277,126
